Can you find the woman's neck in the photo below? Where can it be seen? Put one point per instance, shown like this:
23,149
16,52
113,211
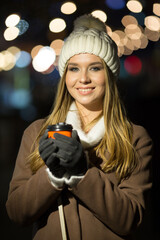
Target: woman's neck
87,116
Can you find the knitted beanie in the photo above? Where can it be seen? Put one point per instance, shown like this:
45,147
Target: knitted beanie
89,36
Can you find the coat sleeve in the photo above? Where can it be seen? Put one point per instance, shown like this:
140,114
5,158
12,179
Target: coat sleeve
30,195
119,206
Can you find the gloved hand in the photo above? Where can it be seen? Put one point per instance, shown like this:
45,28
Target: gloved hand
71,154
47,150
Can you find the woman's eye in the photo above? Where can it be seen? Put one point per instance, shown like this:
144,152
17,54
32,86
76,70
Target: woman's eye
73,69
95,69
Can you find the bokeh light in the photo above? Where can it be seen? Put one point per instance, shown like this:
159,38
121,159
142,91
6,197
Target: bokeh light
152,23
152,35
23,59
128,19
57,46
57,25
133,65
100,14
35,50
133,31
44,59
20,98
134,6
2,61
68,8
156,9
22,26
7,60
144,41
115,4
14,50
11,33
12,20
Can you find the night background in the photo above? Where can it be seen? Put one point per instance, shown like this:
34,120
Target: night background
27,94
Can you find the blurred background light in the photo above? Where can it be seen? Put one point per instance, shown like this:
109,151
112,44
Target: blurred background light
22,26
134,6
2,60
128,48
144,41
128,19
57,25
115,4
109,30
7,60
68,8
11,33
100,14
115,36
23,59
133,31
20,98
35,50
57,45
12,20
152,23
152,35
14,50
156,9
133,65
44,59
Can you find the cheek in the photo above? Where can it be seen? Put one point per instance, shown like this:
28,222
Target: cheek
68,81
101,83
70,86
102,86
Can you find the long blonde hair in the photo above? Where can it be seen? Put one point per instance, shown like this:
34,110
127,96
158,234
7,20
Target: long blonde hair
118,129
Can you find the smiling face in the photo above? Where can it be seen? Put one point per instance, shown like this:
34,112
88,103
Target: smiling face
85,80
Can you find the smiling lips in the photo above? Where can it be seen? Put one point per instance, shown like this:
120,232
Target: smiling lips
85,90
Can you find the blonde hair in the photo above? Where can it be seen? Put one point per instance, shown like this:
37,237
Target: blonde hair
118,129
118,133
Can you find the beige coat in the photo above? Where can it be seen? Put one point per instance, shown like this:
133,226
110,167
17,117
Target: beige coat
98,208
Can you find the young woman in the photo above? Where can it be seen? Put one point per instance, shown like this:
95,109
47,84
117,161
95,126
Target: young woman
101,174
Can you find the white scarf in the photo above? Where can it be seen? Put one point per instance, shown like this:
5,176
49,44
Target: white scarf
91,138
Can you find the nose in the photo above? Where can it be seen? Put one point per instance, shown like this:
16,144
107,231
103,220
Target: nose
84,77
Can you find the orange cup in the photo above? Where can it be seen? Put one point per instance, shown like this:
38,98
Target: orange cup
62,128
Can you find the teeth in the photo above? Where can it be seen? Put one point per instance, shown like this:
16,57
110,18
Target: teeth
85,90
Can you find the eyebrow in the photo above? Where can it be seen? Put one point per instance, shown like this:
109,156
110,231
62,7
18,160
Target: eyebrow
76,64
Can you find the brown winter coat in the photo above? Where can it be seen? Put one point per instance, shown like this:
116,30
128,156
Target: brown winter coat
98,208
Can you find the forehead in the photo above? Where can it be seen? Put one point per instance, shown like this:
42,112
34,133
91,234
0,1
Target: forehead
84,57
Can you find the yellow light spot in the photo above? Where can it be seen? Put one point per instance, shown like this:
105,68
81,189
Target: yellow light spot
100,14
68,8
12,20
152,23
11,33
57,45
134,6
57,25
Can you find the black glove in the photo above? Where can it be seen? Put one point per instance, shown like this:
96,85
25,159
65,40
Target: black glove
47,150
71,154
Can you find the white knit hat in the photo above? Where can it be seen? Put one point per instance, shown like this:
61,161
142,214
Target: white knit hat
90,36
